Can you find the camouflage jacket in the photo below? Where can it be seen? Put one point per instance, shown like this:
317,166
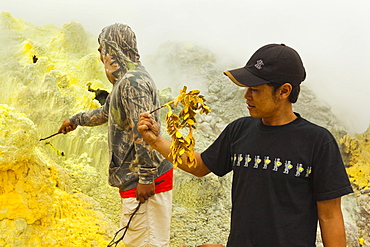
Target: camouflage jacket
132,160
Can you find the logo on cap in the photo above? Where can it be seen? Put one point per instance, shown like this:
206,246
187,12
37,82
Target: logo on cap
259,64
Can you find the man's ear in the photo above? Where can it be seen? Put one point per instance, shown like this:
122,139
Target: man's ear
285,90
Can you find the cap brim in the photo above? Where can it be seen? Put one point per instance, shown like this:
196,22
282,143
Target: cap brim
242,77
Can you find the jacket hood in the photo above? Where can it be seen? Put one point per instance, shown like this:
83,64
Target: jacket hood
119,42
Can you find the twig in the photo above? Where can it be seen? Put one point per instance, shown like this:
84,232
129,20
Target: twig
50,136
115,243
157,109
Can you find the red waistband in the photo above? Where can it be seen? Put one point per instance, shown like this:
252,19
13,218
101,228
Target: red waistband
162,183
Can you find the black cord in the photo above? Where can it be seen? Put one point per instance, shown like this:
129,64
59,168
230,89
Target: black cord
114,243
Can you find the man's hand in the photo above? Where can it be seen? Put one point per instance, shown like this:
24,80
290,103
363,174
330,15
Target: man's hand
148,128
144,191
67,126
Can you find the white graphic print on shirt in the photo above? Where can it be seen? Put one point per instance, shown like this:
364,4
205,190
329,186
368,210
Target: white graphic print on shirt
238,159
266,162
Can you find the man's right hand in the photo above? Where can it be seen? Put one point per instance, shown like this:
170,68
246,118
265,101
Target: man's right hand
67,126
148,128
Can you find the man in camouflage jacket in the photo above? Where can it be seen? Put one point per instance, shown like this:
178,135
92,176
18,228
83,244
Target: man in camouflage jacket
139,171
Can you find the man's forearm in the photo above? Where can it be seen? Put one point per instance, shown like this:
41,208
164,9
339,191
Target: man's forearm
163,146
331,223
333,233
91,118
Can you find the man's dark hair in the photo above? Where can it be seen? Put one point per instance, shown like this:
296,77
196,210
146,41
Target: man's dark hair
293,97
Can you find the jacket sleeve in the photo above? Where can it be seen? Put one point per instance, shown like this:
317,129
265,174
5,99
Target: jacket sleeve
92,118
138,99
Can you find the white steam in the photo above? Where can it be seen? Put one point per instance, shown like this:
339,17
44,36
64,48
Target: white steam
331,36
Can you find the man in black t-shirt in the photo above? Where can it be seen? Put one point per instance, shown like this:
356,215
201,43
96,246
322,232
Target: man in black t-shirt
288,173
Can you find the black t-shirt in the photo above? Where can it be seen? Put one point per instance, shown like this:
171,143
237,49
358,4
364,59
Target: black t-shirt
279,172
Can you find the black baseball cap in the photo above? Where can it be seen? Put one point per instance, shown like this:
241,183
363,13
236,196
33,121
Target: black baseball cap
273,63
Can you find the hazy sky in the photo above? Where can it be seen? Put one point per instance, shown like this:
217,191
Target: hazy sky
332,36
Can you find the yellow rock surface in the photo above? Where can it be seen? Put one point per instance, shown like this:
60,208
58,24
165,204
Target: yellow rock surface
35,208
54,192
357,148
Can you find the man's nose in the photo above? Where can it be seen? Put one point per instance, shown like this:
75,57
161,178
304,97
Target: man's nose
247,94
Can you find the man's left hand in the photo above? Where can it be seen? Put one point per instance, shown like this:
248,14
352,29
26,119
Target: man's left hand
144,191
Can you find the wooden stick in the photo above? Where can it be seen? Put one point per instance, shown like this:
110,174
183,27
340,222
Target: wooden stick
50,136
157,109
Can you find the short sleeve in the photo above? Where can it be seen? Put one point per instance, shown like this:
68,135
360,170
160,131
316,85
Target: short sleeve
217,157
329,176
